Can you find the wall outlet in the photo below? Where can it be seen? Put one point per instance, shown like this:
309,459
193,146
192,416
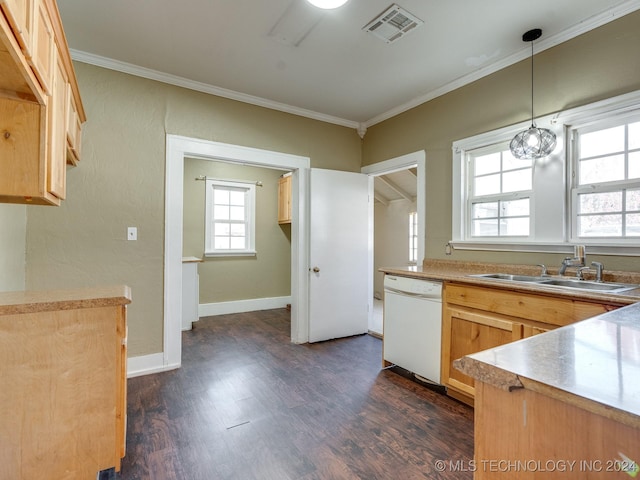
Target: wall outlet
132,233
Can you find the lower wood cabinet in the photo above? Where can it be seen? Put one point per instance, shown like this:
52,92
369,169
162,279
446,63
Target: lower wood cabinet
63,383
527,435
478,318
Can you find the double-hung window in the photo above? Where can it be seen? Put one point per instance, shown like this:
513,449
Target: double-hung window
605,196
229,218
500,192
587,191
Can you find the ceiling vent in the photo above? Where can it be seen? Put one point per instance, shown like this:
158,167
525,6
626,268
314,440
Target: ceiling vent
395,22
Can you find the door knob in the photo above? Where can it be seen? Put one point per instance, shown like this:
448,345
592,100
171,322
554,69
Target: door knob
316,269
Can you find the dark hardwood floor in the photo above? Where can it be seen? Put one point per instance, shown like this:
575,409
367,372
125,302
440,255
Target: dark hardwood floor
248,404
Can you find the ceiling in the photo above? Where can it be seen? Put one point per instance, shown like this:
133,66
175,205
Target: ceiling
396,186
290,56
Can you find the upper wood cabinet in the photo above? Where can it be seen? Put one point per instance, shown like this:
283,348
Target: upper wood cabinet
284,199
42,113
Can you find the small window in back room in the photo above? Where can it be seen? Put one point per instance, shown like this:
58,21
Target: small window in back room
229,218
413,238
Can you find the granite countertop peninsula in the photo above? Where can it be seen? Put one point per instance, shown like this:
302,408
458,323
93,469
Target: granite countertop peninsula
20,302
593,364
461,272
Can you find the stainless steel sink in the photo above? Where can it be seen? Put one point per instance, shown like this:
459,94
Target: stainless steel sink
513,278
594,286
561,282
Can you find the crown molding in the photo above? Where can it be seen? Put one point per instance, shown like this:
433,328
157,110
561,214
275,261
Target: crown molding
549,42
596,21
167,78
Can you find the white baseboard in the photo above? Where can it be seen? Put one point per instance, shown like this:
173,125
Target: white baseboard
147,364
240,306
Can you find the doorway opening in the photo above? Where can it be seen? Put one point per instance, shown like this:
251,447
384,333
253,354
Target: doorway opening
179,148
246,257
398,220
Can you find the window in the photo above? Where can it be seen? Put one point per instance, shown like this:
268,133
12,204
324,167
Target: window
229,218
501,190
606,180
587,191
413,238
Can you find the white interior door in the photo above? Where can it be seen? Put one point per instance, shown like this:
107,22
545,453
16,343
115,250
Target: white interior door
339,250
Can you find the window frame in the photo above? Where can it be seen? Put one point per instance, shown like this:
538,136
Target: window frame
249,190
573,133
555,236
473,198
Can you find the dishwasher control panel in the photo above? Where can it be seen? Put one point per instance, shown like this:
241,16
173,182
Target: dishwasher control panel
413,286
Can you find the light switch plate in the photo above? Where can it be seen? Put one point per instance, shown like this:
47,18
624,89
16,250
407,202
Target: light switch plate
132,233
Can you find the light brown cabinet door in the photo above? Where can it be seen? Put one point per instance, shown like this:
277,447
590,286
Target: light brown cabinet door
466,331
74,129
42,58
284,199
57,132
19,13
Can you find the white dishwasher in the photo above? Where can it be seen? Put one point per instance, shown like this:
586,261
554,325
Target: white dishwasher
413,325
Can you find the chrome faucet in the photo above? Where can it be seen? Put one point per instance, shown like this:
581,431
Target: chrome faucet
580,272
578,259
544,270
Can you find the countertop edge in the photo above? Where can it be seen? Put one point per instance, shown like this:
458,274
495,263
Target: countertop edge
509,381
22,302
459,276
491,374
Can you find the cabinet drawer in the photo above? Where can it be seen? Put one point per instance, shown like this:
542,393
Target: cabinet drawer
539,308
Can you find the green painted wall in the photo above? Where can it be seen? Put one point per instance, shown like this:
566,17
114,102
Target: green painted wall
120,183
224,279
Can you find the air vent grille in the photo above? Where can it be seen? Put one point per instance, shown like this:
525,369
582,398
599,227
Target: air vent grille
394,23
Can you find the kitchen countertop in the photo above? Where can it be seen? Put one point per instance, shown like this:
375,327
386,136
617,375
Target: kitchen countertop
14,303
458,271
191,260
593,364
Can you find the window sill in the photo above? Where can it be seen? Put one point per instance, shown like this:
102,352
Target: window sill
232,253
564,248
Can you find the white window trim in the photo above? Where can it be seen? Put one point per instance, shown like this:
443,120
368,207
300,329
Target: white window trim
593,125
472,198
558,122
250,188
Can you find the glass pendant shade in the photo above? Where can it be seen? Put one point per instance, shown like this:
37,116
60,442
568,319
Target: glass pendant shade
327,4
534,142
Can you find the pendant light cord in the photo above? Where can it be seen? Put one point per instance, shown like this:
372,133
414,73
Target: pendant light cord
532,122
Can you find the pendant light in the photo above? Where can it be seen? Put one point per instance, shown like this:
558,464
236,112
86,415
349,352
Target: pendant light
327,4
534,142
